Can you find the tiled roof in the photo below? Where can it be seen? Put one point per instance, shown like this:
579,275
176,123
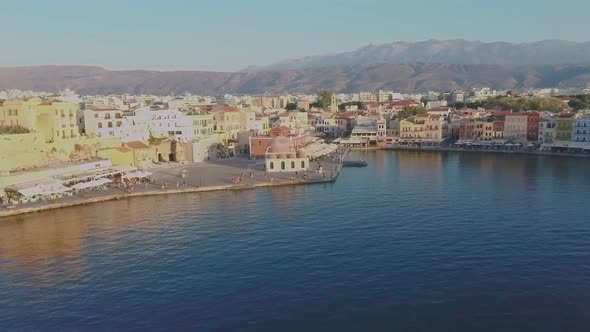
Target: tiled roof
403,103
223,108
123,149
135,145
280,129
98,109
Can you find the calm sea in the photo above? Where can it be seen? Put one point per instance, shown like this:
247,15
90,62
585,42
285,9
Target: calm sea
415,241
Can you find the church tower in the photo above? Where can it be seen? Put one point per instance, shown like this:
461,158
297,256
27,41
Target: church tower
334,104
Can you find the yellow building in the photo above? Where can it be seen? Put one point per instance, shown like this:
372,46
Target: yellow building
411,129
135,153
262,124
563,127
203,124
227,119
121,156
54,119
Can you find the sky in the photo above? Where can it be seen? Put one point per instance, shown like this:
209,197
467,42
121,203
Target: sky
229,35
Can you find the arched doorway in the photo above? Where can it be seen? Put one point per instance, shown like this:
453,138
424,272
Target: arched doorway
172,155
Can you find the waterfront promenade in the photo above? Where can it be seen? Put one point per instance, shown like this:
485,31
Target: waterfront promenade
176,178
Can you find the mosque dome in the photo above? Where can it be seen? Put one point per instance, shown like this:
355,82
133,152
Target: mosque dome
281,144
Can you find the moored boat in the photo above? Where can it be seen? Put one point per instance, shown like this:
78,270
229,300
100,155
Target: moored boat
354,163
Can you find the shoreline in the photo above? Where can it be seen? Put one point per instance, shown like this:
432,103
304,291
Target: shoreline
85,201
519,152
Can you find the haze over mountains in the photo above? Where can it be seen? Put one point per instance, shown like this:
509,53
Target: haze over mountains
404,67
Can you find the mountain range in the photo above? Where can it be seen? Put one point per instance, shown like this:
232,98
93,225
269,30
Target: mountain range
403,67
459,51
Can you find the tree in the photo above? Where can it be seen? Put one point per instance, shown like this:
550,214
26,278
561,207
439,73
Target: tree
458,105
325,98
580,102
291,106
414,110
11,130
424,100
359,104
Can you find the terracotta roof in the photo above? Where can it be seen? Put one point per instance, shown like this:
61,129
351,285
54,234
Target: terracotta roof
98,109
49,102
439,109
135,145
403,103
280,129
223,108
123,149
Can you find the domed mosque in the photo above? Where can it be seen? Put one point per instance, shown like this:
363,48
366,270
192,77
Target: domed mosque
281,156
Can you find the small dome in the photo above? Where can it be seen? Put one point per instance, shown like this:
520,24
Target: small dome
271,156
280,144
281,156
291,155
301,154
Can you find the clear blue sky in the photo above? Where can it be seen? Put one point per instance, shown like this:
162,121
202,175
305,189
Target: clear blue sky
228,35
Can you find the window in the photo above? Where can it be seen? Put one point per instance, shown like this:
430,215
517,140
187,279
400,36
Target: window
100,125
95,115
303,164
282,165
272,165
292,165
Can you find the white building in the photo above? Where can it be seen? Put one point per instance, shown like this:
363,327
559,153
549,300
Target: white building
171,123
112,122
547,130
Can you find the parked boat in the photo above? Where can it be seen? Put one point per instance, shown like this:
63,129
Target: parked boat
354,163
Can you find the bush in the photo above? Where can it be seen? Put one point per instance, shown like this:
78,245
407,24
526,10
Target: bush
11,130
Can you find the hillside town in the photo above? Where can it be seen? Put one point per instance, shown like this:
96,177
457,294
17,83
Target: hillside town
58,145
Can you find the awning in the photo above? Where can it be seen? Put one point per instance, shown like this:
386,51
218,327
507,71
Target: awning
44,190
30,192
91,184
136,175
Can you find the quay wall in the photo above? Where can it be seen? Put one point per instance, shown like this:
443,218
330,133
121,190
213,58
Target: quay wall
83,201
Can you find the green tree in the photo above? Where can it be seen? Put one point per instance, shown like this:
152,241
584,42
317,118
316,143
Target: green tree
414,110
458,105
11,130
325,98
580,102
424,100
291,106
359,104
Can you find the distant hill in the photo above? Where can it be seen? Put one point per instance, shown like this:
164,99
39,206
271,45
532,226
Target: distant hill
547,52
411,77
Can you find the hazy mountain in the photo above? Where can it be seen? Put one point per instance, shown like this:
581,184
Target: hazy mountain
416,77
547,52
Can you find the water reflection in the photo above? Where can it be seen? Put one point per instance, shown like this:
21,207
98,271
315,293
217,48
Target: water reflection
34,244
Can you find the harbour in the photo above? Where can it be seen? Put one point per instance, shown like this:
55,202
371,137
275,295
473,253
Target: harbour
408,241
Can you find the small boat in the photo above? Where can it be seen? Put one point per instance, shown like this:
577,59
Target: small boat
354,163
